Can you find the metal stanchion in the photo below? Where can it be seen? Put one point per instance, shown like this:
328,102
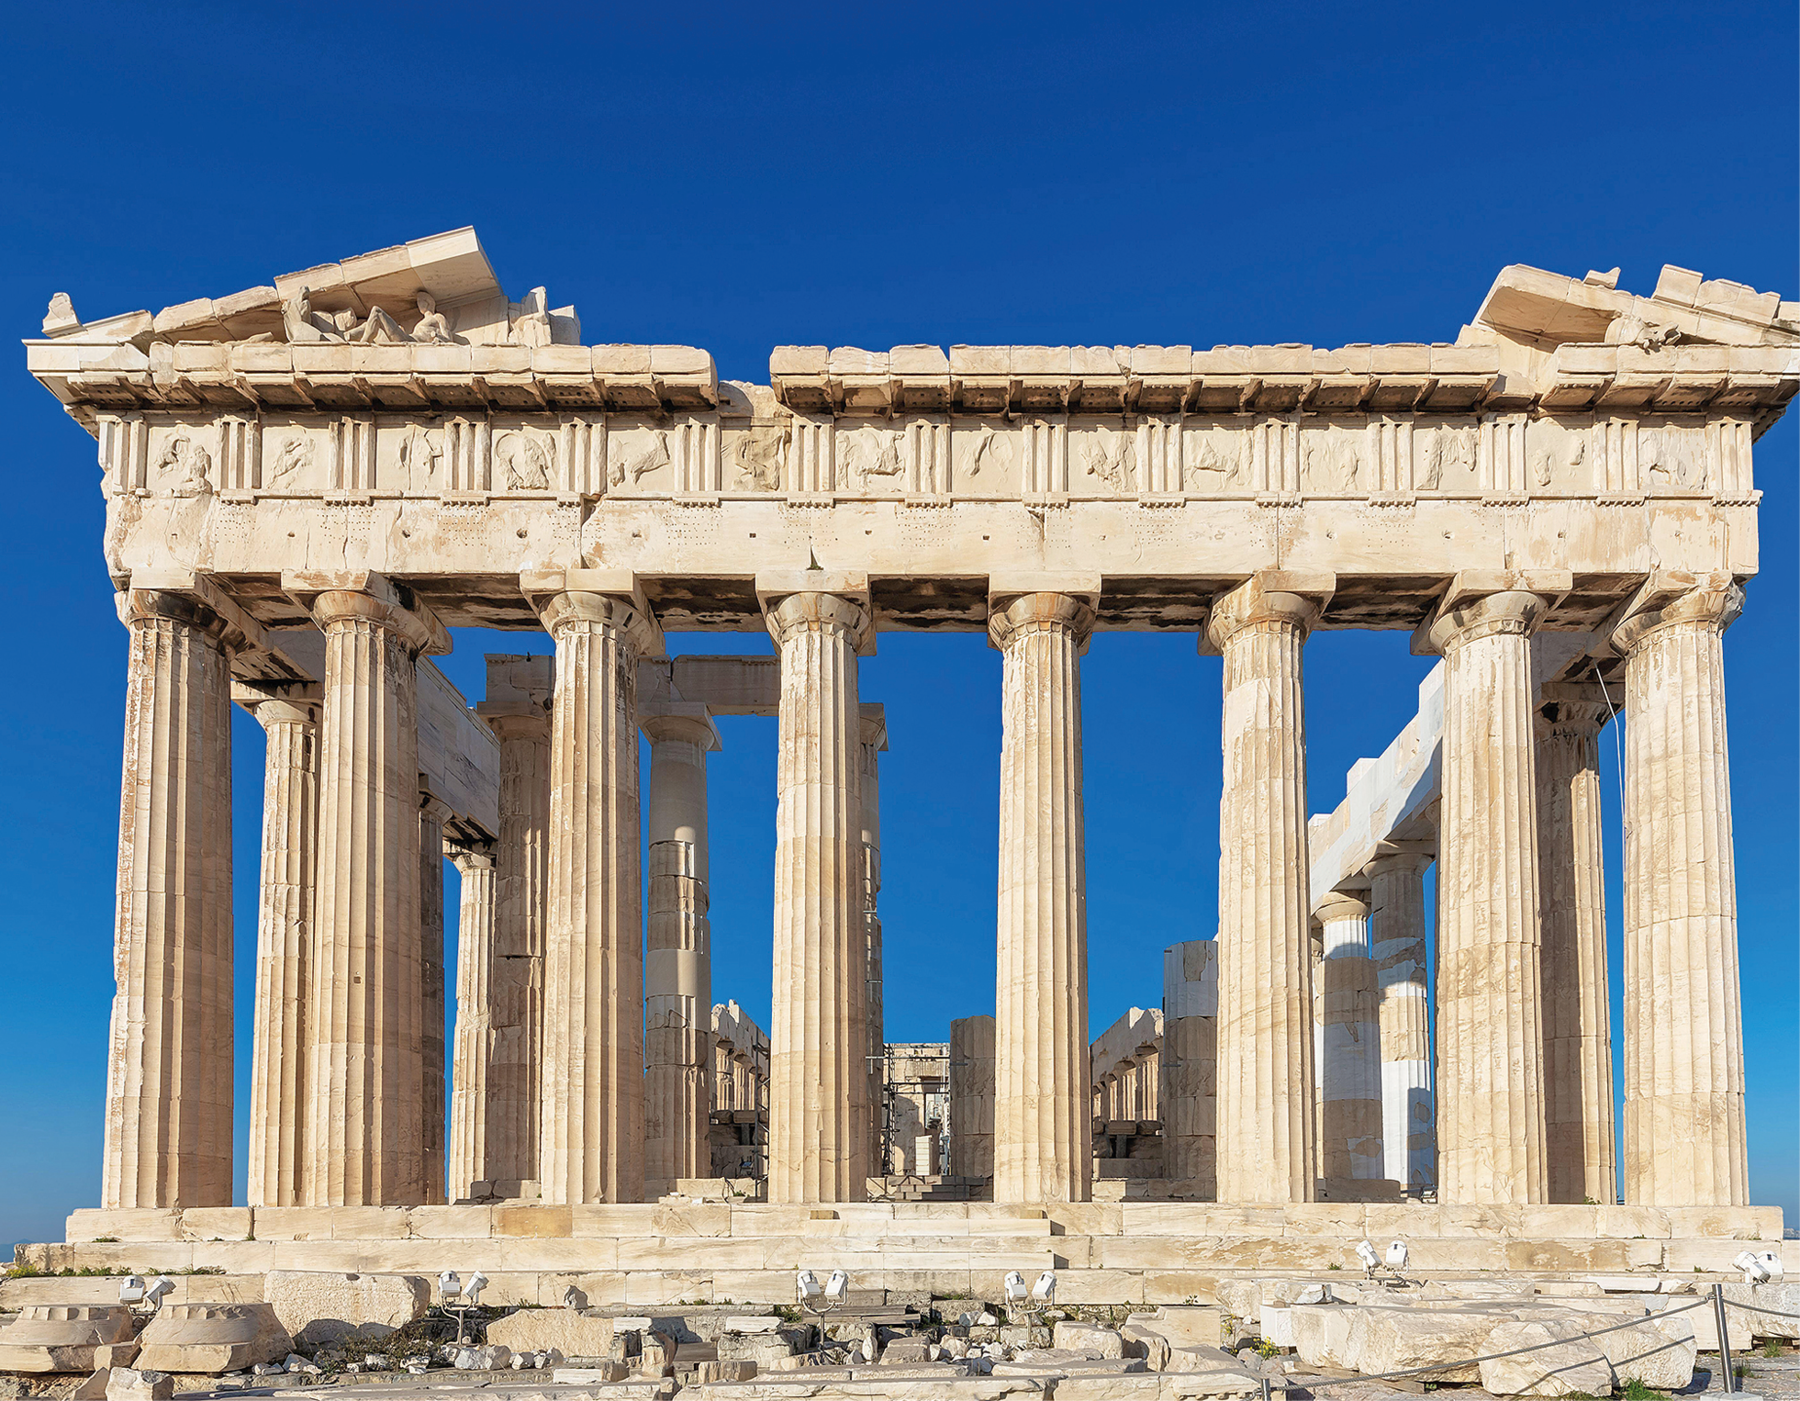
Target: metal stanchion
1724,1339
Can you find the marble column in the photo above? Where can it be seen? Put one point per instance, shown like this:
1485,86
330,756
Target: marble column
1189,1065
472,1045
591,1135
1489,1009
1042,1098
364,1142
678,965
517,709
1265,1028
971,1097
1397,938
1578,1075
818,1041
1684,1037
169,1062
874,741
1350,1123
284,926
432,816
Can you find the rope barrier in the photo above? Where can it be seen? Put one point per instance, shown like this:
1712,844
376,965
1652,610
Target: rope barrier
1758,1308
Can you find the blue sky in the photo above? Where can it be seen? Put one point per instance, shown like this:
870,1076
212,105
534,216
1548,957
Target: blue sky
742,177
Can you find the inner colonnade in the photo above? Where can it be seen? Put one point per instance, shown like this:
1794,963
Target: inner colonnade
1559,505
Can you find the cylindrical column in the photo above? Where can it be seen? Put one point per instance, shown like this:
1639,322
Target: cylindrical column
971,1097
1350,1043
364,1141
1578,1078
515,988
1684,1036
1397,936
818,1082
471,1088
678,965
1189,1065
874,740
1042,1099
591,1136
168,1081
1490,1026
432,816
1265,1100
283,946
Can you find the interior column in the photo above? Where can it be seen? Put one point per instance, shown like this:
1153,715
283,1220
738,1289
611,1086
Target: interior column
1350,1121
1397,939
471,1085
874,741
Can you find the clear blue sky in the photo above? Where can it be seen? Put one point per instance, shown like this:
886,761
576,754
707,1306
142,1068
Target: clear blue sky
743,177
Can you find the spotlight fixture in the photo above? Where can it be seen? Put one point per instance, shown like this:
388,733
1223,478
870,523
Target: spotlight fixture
1044,1291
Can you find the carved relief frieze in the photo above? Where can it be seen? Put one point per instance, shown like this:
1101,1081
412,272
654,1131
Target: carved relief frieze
756,454
1444,460
640,460
1103,458
1215,458
1336,460
872,461
987,456
1560,454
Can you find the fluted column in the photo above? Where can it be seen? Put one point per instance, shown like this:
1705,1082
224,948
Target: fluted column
432,816
1684,1036
1397,938
472,1044
1189,1064
874,741
1265,1100
591,1135
1350,1043
284,928
364,1143
1578,1077
169,1072
517,708
1490,1024
818,1079
678,965
1042,1098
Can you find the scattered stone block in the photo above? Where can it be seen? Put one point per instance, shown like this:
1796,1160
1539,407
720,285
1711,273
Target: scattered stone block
733,1370
608,1371
572,1332
493,1358
752,1323
131,1384
1648,1354
657,1358
1398,1340
1574,1365
904,1351
94,1388
62,1337
1086,1337
208,1339
1784,1298
318,1308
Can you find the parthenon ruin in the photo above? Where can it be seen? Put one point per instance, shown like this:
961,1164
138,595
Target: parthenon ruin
309,484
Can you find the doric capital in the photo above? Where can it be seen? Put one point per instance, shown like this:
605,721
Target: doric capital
790,613
342,597
1410,857
519,692
291,703
509,725
569,600
1489,602
1282,597
1670,598
432,808
874,724
1572,708
679,722
1012,616
1340,904
470,857
194,600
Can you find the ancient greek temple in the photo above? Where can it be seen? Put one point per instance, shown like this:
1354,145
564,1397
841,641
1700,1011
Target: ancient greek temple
309,484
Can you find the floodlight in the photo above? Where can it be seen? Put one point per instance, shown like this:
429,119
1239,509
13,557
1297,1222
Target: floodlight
808,1284
160,1288
1751,1265
1395,1258
1044,1291
1771,1263
836,1286
472,1290
1366,1253
131,1290
449,1284
1015,1287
